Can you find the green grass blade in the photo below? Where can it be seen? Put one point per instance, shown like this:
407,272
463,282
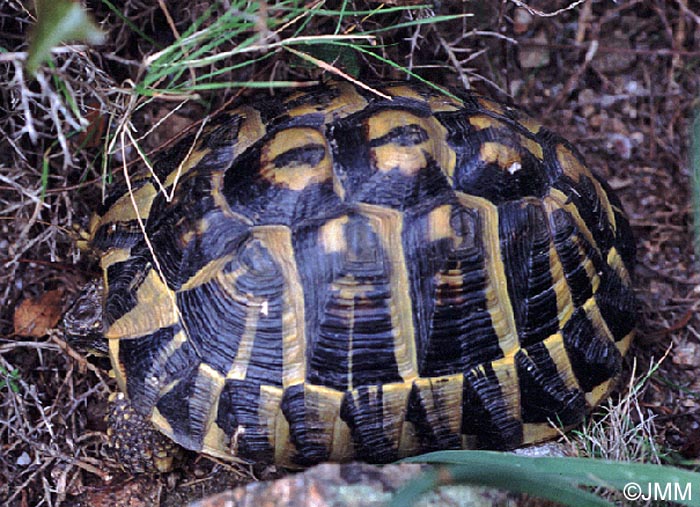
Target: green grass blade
575,471
500,476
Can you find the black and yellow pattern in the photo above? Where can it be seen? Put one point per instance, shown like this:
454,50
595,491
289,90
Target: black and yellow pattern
338,275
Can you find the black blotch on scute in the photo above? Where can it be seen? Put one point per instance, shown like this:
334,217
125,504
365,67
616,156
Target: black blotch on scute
140,358
617,304
525,243
123,281
363,412
310,154
404,135
485,414
238,418
174,406
474,176
594,357
453,325
304,428
564,234
432,427
543,394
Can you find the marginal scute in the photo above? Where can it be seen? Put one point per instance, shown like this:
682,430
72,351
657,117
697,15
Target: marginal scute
338,274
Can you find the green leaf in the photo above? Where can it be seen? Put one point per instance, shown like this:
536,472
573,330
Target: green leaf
553,478
59,21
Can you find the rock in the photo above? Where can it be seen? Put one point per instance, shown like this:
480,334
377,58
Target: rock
350,485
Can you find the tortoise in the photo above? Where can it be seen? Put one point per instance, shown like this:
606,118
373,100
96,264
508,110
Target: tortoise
364,273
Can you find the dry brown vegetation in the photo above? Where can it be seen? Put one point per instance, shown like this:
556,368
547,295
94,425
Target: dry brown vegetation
616,78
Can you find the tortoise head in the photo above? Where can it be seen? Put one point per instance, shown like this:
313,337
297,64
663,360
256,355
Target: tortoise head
83,321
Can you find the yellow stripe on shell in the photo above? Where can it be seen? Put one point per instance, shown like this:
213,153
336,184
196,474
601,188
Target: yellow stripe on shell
295,176
190,162
388,225
347,102
504,156
596,395
557,352
483,121
615,261
539,432
207,392
403,91
278,241
599,325
114,256
496,292
624,344
207,273
123,209
439,223
562,291
217,185
239,366
410,159
532,146
529,123
155,309
161,423
271,418
573,168
332,235
509,384
491,105
556,199
443,407
251,130
323,405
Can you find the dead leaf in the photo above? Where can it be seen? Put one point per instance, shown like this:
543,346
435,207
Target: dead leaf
34,317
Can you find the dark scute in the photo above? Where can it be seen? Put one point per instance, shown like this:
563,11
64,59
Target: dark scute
624,239
310,154
363,412
175,407
263,278
256,198
238,408
525,243
123,281
432,426
168,160
625,243
181,245
357,329
591,210
617,304
215,323
564,231
362,182
225,132
453,326
474,176
404,135
485,414
594,357
305,431
148,370
543,394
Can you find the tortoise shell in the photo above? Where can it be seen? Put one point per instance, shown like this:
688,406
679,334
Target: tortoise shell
353,274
